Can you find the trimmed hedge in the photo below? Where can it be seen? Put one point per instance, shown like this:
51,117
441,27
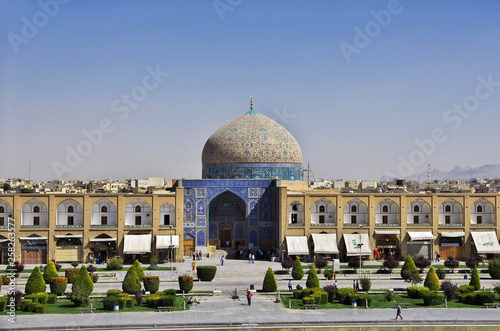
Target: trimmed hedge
269,284
365,300
477,298
474,279
186,283
50,272
71,273
113,292
58,285
416,292
52,298
297,271
151,283
109,302
464,289
312,279
328,274
131,282
84,279
170,291
39,308
432,280
115,263
206,273
409,265
432,298
345,295
139,270
494,268
35,283
155,300
3,303
42,297
308,301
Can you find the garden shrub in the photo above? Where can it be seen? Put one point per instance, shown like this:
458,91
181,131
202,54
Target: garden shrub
5,280
449,289
206,273
58,285
153,300
287,263
390,263
170,291
151,283
115,263
297,271
94,277
35,283
472,262
3,303
324,296
351,298
467,298
84,279
57,265
432,280
18,267
23,303
365,300
483,297
366,283
91,268
421,262
52,298
139,297
432,298
412,276
409,265
39,308
441,273
320,263
139,270
463,289
496,288
389,295
474,279
494,268
354,262
451,264
81,289
269,284
186,283
17,295
167,300
125,301
109,302
415,292
317,298
42,297
74,264
50,272
131,281
328,274
27,305
308,301
113,292
71,273
344,292
312,278
331,290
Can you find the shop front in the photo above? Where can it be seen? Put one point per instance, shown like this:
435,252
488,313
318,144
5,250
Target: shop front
387,244
420,244
33,250
166,246
450,244
137,247
69,248
102,249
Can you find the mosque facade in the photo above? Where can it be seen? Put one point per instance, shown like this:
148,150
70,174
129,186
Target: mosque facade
251,197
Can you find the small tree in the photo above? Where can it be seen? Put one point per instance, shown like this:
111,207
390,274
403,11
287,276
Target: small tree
297,271
494,268
35,283
366,283
474,279
451,263
84,278
131,281
312,278
186,283
432,280
421,262
269,284
391,263
449,289
287,263
139,270
412,276
409,265
354,263
50,272
82,287
472,262
320,263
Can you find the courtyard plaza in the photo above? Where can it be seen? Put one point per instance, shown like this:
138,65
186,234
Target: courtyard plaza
223,311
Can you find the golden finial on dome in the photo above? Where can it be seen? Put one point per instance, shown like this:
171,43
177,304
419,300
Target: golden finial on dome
251,103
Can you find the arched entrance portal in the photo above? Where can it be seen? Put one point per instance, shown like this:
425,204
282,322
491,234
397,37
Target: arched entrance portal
227,218
387,245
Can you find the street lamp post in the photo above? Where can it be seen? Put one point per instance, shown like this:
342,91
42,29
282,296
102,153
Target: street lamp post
360,244
171,253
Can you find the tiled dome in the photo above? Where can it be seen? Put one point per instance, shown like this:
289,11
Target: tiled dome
251,138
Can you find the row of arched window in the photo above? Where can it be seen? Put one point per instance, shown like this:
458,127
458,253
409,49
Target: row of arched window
387,212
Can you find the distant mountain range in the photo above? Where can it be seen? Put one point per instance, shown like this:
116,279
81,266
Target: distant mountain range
458,173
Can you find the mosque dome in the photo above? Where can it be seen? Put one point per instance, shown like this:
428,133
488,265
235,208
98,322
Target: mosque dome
252,146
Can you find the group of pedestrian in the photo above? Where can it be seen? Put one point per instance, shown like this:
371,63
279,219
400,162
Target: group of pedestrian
251,258
355,284
197,255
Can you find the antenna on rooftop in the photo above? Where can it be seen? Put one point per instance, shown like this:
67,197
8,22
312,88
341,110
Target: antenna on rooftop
29,169
429,172
309,173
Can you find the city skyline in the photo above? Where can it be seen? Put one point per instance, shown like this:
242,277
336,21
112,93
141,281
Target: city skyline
368,89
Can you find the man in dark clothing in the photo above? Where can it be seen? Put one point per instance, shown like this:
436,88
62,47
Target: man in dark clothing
398,310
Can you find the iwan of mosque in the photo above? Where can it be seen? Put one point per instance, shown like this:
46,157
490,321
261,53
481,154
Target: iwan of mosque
251,196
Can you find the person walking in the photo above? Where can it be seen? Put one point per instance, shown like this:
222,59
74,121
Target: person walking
290,288
354,283
222,260
357,285
249,298
335,283
398,312
253,258
437,257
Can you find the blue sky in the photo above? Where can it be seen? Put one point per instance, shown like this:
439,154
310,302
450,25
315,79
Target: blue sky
355,116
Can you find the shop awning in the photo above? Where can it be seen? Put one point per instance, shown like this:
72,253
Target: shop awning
102,239
137,244
69,236
4,240
387,232
452,234
352,244
325,243
297,245
33,238
427,235
163,242
486,242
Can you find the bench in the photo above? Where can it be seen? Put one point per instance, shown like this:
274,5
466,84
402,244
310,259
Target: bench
487,305
407,305
160,308
310,306
87,309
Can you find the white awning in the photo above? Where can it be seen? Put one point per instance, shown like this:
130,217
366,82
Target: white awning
486,242
387,232
352,244
297,245
163,242
69,236
452,234
33,238
102,239
427,235
4,240
137,244
325,243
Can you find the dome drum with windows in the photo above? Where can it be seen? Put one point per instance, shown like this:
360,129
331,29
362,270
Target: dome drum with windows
252,146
